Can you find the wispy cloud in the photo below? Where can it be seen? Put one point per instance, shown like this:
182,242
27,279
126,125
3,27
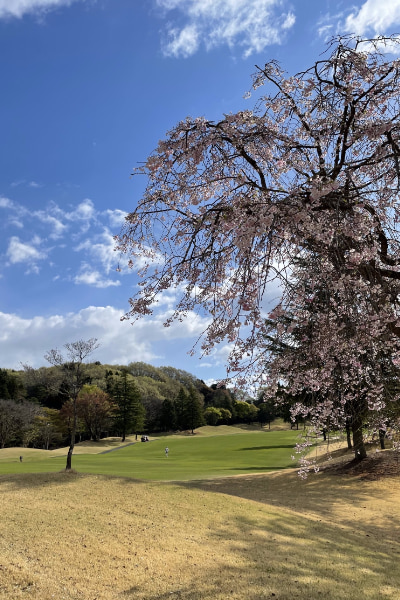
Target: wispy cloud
19,8
58,228
76,229
101,248
250,24
83,212
371,18
92,277
28,253
375,17
5,202
116,217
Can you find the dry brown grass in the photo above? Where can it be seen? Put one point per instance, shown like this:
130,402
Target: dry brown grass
84,537
88,447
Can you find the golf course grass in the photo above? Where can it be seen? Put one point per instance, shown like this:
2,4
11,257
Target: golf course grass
242,526
189,457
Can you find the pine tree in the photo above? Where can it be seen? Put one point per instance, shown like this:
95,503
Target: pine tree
168,415
180,407
193,412
130,415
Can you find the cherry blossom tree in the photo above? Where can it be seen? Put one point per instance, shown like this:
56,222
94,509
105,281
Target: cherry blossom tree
323,342
311,172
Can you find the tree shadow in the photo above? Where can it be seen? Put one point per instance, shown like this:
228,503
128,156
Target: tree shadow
311,537
39,480
291,544
266,469
276,447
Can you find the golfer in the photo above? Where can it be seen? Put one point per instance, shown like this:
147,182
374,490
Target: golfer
166,451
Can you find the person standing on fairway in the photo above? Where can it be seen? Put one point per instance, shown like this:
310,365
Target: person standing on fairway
166,451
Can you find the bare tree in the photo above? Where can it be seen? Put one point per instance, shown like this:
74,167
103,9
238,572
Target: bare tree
72,366
16,420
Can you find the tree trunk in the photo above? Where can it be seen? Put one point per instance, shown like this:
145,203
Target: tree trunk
348,434
68,466
358,441
382,434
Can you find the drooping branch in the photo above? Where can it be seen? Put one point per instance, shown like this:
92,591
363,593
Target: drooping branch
312,169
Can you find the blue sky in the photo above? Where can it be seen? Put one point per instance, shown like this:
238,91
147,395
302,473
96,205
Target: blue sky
88,87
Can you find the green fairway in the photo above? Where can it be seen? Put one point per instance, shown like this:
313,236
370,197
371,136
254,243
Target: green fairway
189,457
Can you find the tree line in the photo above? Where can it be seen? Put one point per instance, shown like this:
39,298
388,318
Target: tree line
46,407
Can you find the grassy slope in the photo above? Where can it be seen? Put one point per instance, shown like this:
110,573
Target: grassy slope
86,537
271,535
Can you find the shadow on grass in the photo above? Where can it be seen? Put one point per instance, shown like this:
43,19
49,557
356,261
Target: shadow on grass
266,447
260,469
318,538
296,553
39,480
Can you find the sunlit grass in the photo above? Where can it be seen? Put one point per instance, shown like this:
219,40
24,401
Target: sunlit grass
86,537
190,457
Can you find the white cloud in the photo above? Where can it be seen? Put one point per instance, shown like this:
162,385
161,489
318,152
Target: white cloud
374,16
182,43
116,217
23,252
251,24
5,203
190,327
14,211
24,340
18,8
101,248
86,227
57,226
85,211
89,276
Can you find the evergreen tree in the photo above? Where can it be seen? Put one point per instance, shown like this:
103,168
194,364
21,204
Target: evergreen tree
168,415
130,414
267,410
193,411
180,406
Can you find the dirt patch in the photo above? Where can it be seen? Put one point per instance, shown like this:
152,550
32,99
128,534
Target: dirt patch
377,465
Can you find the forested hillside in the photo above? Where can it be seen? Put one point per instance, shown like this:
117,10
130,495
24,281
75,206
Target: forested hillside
36,407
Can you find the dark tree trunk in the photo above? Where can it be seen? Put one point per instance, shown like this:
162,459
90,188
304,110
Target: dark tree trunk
68,466
348,434
358,441
382,434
